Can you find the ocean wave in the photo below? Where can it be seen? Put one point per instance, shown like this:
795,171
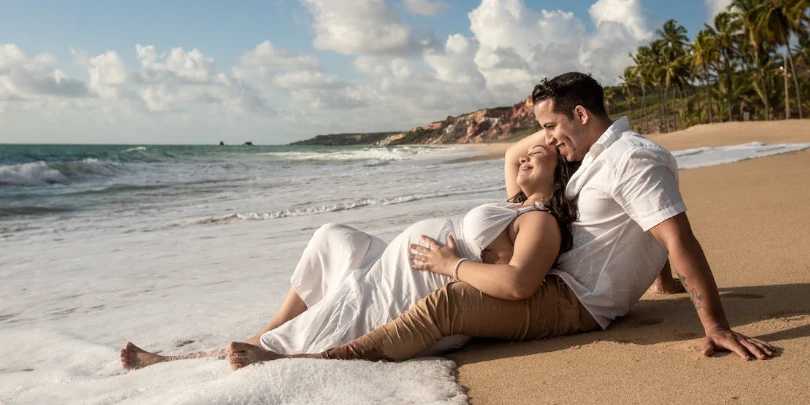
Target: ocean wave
135,149
323,209
41,173
30,174
380,154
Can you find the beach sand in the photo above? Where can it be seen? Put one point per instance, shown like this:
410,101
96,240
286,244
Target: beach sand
753,221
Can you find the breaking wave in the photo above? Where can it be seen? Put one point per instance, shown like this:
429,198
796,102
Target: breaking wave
41,173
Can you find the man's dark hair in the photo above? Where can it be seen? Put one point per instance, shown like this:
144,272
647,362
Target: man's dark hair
569,90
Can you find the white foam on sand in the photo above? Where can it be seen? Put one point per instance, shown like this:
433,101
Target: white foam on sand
702,157
71,296
85,375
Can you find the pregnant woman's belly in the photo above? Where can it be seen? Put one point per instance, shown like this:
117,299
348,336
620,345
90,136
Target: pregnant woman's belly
394,281
417,284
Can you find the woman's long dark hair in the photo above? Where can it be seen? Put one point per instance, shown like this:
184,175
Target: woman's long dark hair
561,207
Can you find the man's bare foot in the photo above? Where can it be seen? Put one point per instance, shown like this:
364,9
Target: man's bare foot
133,357
244,354
666,287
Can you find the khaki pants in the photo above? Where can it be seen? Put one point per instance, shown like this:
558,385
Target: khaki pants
458,309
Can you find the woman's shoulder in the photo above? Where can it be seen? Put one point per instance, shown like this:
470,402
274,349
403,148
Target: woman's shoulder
537,221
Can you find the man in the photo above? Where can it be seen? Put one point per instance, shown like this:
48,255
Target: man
631,218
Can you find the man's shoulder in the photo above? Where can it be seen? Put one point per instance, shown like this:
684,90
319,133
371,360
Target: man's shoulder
633,145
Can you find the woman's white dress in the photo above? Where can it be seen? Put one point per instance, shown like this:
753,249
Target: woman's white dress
353,282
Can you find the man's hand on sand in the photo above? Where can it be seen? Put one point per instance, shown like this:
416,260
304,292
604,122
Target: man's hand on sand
745,347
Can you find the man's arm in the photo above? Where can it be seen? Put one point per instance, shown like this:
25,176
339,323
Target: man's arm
513,154
688,259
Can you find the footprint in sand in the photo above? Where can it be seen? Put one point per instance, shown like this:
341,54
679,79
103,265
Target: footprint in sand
185,342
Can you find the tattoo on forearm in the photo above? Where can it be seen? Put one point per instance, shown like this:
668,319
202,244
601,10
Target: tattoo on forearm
697,299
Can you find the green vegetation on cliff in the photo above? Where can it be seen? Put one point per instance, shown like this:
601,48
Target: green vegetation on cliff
346,139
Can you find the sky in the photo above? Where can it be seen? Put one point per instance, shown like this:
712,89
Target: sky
278,71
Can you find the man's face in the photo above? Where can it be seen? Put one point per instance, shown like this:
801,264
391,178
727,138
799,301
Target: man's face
563,133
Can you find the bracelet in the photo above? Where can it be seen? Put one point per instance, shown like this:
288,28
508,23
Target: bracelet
455,268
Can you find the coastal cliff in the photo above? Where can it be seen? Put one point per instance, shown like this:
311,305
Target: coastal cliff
349,139
485,125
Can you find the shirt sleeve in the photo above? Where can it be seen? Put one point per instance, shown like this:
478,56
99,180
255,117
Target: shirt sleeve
646,186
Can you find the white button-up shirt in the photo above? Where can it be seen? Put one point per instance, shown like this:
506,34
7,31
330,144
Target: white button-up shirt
626,185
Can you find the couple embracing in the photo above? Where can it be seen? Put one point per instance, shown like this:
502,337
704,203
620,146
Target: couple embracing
593,213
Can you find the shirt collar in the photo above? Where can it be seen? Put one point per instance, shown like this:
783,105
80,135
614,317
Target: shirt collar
611,135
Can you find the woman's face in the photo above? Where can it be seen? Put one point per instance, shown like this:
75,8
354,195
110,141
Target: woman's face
537,167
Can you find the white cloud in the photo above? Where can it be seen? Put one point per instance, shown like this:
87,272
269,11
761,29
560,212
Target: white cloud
179,78
25,78
620,28
177,65
266,61
175,82
270,69
627,13
107,73
363,27
424,7
331,99
294,80
518,46
455,64
714,7
308,79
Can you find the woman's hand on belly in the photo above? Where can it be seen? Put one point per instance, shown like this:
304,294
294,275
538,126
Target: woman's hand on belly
435,257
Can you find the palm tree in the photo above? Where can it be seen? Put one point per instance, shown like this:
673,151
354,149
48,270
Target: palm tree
801,51
631,100
673,38
778,21
704,55
609,93
643,60
725,38
749,13
673,51
629,80
655,75
673,74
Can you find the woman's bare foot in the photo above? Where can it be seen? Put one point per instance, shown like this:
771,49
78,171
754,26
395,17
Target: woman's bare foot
244,354
133,357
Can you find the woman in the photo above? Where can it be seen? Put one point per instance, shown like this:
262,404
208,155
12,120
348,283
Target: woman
349,283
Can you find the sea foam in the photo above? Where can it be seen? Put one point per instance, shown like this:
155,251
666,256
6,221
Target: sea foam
30,174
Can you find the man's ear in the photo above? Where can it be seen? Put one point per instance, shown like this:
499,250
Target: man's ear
581,114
